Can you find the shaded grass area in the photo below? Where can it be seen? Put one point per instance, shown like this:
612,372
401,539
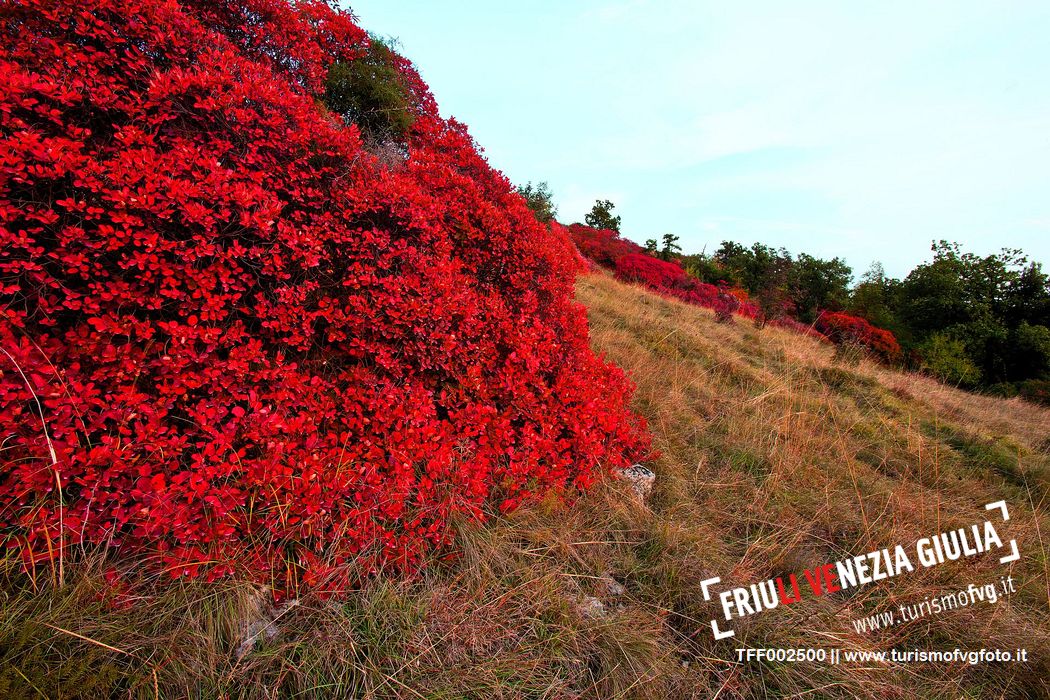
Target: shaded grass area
775,457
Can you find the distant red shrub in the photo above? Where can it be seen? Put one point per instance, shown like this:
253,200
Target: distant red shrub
726,304
631,263
701,294
652,272
603,246
257,346
670,278
842,328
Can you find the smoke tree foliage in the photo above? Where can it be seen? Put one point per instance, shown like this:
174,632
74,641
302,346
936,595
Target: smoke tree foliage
236,340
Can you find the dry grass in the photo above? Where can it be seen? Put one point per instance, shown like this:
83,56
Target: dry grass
775,458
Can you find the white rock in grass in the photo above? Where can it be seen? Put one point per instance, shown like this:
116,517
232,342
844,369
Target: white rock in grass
641,479
590,606
262,624
610,586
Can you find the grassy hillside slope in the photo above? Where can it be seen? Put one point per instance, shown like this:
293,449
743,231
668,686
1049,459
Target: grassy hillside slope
776,457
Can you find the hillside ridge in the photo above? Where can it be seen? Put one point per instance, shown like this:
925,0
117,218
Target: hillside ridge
774,457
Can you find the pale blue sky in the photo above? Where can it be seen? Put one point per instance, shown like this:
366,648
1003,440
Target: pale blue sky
856,129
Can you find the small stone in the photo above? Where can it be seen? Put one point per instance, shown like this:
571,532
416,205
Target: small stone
641,478
591,607
264,624
609,586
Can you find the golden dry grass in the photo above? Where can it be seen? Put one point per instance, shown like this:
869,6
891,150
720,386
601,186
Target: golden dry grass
775,458
785,458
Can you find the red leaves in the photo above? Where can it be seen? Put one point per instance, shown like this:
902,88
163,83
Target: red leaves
842,328
652,272
604,247
257,346
671,279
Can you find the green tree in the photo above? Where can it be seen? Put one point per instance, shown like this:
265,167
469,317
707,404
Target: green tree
540,201
874,298
1029,296
735,258
817,285
670,247
706,269
370,93
935,296
601,216
1030,352
773,298
750,266
994,304
947,359
871,297
651,246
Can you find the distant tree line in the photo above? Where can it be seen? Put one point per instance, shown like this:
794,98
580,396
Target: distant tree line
972,320
980,322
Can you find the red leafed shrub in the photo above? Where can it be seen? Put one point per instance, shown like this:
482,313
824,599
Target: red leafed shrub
256,344
603,246
842,328
631,263
671,279
652,272
726,304
701,294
